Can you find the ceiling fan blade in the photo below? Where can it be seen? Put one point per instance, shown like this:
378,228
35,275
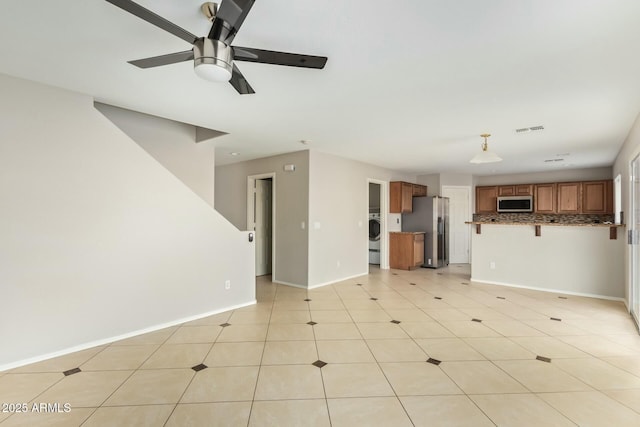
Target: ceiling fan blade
239,53
240,83
152,18
229,18
249,54
157,61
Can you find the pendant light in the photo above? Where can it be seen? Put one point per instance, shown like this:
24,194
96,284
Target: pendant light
485,156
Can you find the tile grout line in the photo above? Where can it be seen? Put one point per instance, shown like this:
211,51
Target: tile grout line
395,393
395,287
266,335
315,342
195,372
133,371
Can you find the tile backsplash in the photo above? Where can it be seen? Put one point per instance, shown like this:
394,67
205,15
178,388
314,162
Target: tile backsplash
542,218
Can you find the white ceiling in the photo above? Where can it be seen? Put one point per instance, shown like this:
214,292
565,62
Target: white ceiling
409,85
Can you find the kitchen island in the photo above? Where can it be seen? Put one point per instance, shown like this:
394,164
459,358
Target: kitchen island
580,258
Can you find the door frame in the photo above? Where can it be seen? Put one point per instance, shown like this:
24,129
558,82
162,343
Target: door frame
470,210
384,235
251,179
634,267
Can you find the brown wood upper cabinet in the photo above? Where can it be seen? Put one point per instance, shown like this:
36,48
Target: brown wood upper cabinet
569,197
486,199
419,190
506,190
401,195
544,198
597,197
586,197
524,190
515,190
609,197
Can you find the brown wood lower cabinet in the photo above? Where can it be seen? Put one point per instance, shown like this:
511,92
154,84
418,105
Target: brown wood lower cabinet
406,250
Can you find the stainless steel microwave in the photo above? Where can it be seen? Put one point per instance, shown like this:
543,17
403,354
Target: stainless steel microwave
515,204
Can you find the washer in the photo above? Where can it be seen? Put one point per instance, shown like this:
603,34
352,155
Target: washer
374,238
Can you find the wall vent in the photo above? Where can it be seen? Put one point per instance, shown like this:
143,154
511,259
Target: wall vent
529,129
553,160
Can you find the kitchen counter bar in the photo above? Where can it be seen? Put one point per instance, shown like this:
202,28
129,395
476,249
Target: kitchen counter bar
613,228
553,224
581,260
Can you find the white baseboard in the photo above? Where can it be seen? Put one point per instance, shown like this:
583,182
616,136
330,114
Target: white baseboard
557,291
282,282
319,285
109,340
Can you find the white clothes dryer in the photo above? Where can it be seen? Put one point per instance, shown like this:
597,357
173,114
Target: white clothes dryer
374,238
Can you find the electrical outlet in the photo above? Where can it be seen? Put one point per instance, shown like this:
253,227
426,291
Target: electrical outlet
338,264
227,284
492,265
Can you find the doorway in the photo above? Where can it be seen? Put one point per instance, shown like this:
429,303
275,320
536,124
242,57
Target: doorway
459,213
374,225
261,219
377,242
634,239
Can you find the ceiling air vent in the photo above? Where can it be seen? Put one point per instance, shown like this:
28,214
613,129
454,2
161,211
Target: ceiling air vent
532,128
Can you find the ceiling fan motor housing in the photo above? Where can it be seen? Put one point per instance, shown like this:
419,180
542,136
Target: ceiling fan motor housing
215,52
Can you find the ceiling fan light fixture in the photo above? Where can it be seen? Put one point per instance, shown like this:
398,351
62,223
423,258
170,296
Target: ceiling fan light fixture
485,156
212,72
212,60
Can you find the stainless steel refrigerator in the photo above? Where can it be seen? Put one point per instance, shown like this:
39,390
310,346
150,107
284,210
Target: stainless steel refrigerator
431,215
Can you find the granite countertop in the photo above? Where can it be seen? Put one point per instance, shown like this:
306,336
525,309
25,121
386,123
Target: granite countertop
407,232
555,224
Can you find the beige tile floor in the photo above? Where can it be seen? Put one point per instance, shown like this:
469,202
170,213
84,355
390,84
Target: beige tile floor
375,334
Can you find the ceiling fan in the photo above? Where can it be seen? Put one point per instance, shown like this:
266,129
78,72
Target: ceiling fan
213,56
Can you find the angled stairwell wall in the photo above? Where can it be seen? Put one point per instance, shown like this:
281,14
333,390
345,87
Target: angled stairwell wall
173,144
98,240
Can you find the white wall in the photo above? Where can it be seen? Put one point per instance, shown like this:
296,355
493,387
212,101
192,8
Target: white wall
561,175
338,192
432,181
291,205
456,179
630,149
171,143
394,222
581,260
435,182
98,239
